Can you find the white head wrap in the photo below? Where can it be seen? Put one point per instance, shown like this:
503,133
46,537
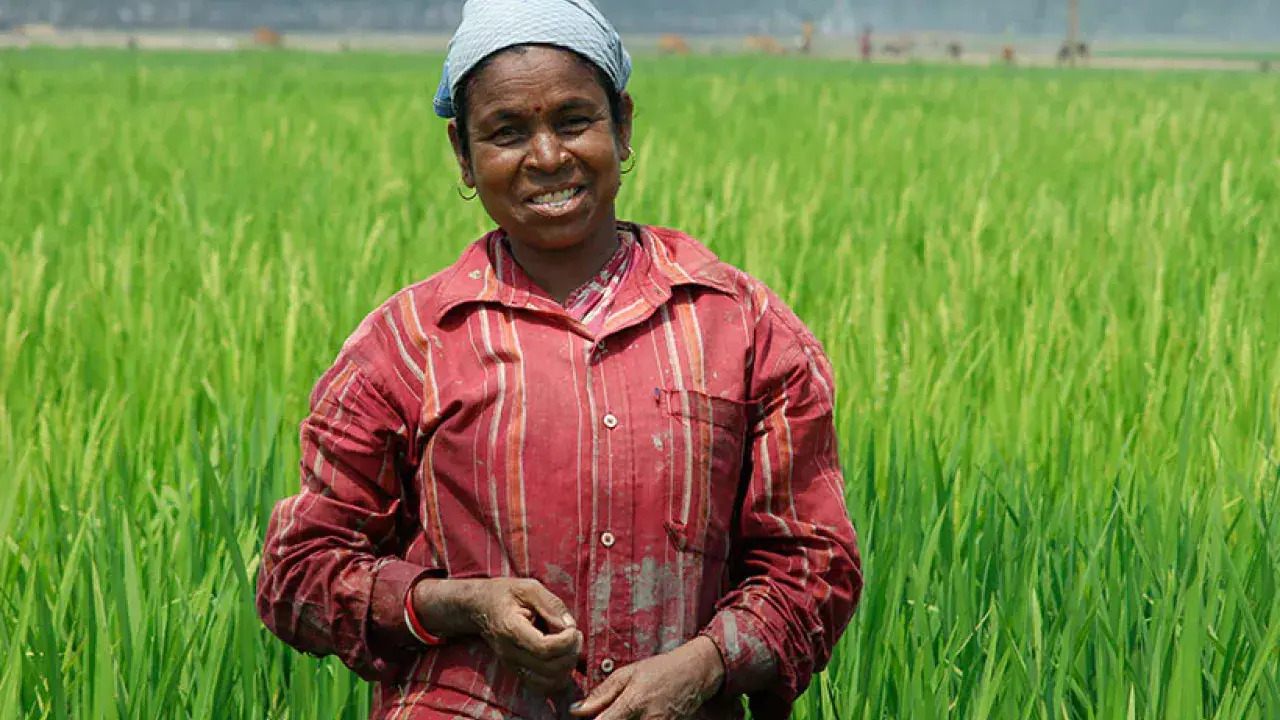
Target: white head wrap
491,25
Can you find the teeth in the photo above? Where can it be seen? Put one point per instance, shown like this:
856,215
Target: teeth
556,198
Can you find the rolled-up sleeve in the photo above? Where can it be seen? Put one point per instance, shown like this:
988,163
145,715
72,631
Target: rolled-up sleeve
795,560
330,580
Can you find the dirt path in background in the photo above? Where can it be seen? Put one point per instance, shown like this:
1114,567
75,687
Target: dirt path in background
212,41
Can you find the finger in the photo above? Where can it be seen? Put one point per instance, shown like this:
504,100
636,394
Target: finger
566,643
527,637
603,696
557,667
550,608
625,707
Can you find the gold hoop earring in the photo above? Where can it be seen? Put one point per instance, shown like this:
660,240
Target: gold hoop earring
632,155
464,196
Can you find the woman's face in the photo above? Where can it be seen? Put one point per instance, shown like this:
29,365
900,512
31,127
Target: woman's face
544,155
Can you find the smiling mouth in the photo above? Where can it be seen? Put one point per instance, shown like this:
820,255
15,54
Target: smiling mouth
555,204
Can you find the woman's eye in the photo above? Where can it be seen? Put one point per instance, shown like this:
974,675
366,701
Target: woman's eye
505,135
576,124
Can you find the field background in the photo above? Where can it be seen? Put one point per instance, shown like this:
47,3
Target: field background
1050,298
1149,52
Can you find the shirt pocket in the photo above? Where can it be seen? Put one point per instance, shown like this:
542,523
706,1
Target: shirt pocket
709,434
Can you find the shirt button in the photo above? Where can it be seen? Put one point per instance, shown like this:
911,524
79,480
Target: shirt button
606,666
607,539
610,421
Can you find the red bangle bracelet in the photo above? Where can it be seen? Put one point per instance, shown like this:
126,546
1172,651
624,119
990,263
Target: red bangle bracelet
415,627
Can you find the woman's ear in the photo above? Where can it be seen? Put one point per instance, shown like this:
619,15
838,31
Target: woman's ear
624,128
460,154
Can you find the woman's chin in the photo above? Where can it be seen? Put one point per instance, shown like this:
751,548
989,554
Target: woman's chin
555,237
556,243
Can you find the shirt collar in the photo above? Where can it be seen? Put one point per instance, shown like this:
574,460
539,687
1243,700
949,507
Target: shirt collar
604,284
670,259
680,260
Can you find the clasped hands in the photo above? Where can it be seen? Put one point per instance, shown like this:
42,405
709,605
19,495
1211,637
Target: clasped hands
532,632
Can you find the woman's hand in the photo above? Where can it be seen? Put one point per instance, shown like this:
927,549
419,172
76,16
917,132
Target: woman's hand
528,628
664,687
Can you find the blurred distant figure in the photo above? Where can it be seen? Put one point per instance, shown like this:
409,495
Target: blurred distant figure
898,48
765,44
132,43
806,44
1008,54
1265,66
266,37
864,44
671,44
955,50
1069,53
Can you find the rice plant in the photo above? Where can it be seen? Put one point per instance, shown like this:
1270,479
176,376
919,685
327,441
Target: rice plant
1049,298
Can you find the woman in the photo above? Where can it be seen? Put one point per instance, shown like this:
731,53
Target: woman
586,471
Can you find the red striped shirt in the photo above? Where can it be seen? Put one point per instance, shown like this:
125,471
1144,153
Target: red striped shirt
669,474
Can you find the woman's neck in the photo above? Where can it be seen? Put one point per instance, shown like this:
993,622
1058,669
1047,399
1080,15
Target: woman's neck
560,272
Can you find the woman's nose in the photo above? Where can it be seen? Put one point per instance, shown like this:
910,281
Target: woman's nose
547,153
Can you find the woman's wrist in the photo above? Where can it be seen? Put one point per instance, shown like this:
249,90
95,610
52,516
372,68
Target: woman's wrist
445,608
711,665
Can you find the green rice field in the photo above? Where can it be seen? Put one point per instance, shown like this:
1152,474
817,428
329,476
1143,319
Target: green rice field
1052,300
